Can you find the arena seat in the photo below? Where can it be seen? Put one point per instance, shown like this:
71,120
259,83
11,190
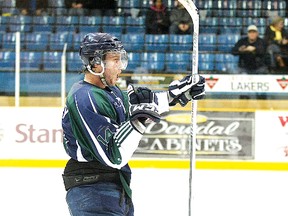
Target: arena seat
20,23
30,61
206,61
37,41
207,42
115,30
226,62
7,62
43,23
77,38
180,42
57,7
89,23
52,61
225,12
153,61
134,25
231,30
58,39
113,20
208,25
9,40
230,21
133,42
156,42
74,62
133,61
177,62
88,28
226,42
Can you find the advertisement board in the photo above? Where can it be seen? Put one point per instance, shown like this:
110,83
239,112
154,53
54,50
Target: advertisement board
271,131
31,133
214,82
220,135
35,133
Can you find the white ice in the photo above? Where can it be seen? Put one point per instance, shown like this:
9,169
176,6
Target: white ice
156,192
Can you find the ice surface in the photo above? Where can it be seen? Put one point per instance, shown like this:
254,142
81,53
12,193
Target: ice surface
156,192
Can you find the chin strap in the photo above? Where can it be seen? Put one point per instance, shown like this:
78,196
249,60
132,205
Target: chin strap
101,74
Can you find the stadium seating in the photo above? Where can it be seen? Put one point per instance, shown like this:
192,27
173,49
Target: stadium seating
77,38
113,25
30,61
225,8
133,42
3,23
20,23
74,62
9,40
58,39
207,42
226,62
89,23
180,42
177,62
134,60
156,42
135,24
43,23
52,61
36,41
7,62
153,61
206,61
66,23
227,41
222,24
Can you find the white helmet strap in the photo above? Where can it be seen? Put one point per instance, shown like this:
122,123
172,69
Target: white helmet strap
101,74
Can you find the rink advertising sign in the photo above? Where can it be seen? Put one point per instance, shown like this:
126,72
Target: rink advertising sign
214,82
32,133
245,83
221,135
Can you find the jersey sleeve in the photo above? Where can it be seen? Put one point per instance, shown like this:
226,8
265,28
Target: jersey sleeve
91,132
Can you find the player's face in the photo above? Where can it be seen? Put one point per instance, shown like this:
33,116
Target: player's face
114,63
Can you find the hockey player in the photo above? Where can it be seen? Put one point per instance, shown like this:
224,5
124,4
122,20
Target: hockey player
102,127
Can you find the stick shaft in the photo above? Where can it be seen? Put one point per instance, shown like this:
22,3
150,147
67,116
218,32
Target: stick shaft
193,11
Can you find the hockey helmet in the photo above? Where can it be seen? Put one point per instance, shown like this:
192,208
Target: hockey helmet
95,45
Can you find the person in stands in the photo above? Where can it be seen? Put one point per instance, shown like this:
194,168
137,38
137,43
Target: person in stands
157,18
277,39
181,22
251,51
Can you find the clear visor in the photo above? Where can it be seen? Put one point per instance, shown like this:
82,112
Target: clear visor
116,60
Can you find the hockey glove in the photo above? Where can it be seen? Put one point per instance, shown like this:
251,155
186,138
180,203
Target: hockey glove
143,105
182,91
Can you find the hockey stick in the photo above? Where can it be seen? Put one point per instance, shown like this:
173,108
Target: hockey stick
193,11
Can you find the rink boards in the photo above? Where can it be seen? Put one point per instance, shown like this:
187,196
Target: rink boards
232,134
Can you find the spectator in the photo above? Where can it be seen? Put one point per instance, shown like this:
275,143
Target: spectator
276,38
157,18
76,7
251,51
181,22
102,8
32,7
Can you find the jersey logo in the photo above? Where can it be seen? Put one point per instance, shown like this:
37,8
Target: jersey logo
107,135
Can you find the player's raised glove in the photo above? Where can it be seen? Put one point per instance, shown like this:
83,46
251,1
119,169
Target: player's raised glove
143,105
186,89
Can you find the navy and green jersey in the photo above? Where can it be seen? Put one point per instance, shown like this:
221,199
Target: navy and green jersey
96,126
